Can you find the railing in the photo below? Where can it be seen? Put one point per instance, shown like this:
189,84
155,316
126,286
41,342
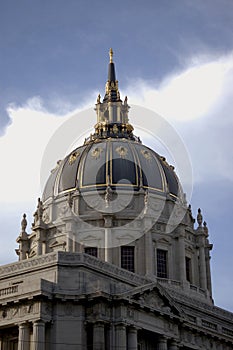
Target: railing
8,290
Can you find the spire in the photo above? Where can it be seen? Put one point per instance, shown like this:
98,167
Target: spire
111,68
111,91
112,113
110,55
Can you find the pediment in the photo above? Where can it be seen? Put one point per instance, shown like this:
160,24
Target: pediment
163,241
155,298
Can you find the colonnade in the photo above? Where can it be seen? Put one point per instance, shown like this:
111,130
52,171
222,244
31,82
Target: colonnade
126,338
32,336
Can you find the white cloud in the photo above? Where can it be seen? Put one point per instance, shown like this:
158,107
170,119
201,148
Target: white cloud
197,102
188,95
21,150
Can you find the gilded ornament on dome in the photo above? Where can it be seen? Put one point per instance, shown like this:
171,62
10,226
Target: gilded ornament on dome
96,152
115,129
73,157
146,154
122,151
129,127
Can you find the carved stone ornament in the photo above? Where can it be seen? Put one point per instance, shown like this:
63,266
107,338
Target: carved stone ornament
46,217
154,301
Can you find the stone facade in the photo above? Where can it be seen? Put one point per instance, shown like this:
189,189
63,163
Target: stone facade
112,265
75,301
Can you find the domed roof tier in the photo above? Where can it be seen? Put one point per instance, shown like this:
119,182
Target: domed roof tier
113,156
119,163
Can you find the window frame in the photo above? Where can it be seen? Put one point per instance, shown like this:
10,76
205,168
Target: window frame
162,274
128,265
89,253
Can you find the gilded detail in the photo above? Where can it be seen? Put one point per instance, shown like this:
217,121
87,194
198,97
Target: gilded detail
122,151
146,154
115,129
73,157
96,152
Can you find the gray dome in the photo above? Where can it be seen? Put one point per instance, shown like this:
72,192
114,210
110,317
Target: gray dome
120,163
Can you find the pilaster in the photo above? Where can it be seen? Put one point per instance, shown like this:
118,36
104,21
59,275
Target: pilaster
181,256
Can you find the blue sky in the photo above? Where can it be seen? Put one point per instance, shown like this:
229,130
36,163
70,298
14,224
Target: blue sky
175,57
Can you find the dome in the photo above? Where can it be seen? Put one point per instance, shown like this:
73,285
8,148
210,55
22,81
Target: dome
113,157
119,163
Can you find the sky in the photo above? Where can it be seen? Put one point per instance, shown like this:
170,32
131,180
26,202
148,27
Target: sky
173,57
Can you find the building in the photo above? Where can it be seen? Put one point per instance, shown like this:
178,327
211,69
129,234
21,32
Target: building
114,259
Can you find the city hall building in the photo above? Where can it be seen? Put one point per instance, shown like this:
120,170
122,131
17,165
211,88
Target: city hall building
114,259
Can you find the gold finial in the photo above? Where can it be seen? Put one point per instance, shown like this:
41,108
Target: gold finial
111,55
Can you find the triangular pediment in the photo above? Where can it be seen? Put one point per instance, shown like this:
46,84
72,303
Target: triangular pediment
154,297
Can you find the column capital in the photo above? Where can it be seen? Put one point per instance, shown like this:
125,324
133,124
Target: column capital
39,322
23,324
162,342
174,344
163,338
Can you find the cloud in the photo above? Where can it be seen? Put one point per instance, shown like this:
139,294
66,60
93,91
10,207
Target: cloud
186,95
197,102
21,150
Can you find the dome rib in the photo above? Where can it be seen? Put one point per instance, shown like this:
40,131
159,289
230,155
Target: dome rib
120,163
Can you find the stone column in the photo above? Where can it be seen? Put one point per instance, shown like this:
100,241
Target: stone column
162,343
98,336
132,339
38,335
3,344
173,345
120,337
24,337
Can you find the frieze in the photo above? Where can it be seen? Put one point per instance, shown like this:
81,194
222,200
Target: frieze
24,311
